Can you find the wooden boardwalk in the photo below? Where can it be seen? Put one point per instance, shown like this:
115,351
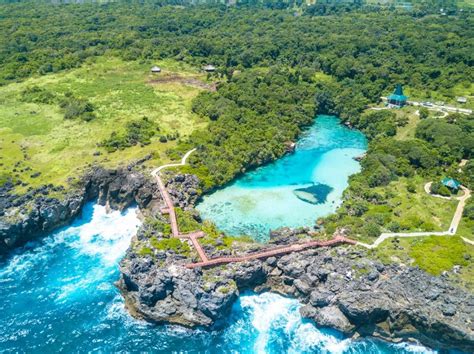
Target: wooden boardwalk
277,251
169,206
194,236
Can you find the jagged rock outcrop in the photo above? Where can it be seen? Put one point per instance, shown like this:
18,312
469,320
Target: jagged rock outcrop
183,188
24,218
339,288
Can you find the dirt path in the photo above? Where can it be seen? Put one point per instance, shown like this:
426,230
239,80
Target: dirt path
191,81
452,228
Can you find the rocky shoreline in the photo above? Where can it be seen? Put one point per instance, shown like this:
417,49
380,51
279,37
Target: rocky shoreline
340,288
34,214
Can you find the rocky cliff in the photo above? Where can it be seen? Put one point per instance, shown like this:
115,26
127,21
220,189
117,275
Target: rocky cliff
24,218
339,288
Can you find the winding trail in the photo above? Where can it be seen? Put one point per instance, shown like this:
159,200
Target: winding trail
452,227
194,236
182,163
281,250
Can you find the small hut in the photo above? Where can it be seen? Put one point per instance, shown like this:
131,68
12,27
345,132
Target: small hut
397,98
156,70
451,183
462,99
209,68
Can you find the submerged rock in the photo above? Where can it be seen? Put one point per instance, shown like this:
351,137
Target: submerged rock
315,194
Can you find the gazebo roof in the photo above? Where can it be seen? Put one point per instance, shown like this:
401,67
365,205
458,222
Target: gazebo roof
394,97
398,95
451,183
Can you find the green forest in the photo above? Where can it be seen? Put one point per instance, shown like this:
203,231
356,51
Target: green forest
276,70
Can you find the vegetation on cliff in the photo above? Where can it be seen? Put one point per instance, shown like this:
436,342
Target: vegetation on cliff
76,86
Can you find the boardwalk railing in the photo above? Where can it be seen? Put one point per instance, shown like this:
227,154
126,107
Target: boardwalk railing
277,251
193,236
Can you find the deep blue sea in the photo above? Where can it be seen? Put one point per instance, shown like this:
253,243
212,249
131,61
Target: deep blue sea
293,191
58,295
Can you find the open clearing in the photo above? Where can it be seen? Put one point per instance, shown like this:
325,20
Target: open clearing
36,138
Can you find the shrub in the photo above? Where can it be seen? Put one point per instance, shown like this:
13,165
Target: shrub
77,108
186,221
411,187
36,94
469,210
394,226
424,113
440,189
371,229
173,244
402,121
137,131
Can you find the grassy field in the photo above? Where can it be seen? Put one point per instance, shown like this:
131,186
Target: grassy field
434,254
36,138
420,212
415,211
404,210
407,131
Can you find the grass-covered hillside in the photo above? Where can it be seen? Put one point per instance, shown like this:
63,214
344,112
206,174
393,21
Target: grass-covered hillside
47,138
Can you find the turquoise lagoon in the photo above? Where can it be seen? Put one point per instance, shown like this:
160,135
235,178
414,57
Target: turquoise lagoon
293,191
58,295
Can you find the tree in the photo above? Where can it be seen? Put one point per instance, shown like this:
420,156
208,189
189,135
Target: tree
424,113
440,189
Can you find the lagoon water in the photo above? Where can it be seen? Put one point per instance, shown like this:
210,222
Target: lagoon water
293,191
58,294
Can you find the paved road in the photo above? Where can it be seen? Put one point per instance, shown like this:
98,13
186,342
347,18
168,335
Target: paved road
435,107
467,241
182,163
451,231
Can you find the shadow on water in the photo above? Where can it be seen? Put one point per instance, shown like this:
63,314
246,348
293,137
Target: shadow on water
293,191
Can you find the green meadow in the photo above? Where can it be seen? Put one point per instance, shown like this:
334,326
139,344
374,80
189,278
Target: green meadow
39,146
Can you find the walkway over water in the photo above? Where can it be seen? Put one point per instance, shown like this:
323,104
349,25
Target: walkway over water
193,236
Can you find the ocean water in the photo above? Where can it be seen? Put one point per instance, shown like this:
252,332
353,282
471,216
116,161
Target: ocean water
293,191
58,295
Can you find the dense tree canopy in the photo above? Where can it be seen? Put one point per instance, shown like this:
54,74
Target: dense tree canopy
366,52
276,69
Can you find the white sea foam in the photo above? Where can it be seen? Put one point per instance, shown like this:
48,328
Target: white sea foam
107,235
273,315
414,348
